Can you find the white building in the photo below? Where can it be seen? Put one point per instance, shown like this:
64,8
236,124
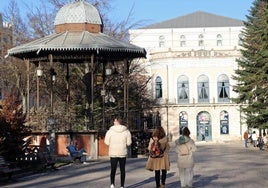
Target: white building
191,60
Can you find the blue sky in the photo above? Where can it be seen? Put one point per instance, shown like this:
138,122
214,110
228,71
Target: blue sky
159,10
153,11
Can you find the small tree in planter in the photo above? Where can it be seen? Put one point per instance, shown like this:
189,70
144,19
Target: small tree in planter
13,132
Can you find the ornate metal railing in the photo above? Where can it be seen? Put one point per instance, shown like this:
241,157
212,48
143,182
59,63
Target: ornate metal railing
134,120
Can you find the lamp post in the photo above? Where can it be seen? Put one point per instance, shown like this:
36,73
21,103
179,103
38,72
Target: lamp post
53,79
51,120
125,80
39,73
107,72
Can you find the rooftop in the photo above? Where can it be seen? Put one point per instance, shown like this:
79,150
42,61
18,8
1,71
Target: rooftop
197,19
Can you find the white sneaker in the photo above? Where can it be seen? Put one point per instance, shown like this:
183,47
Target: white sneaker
84,153
112,186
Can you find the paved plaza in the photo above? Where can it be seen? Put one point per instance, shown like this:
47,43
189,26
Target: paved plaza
218,165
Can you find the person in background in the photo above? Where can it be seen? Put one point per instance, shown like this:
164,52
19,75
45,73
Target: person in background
118,137
159,164
265,140
186,162
246,138
260,143
254,138
77,153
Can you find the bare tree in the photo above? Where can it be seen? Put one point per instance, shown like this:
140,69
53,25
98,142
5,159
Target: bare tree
20,30
40,23
13,74
41,20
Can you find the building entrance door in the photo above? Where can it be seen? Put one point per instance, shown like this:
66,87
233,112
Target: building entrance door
204,132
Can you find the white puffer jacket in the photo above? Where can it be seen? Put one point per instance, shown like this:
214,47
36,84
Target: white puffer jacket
118,137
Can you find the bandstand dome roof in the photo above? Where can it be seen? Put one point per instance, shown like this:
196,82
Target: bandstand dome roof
78,12
78,35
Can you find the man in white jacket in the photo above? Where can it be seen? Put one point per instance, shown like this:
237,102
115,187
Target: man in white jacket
118,137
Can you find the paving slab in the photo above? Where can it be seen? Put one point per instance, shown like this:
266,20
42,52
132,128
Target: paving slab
218,165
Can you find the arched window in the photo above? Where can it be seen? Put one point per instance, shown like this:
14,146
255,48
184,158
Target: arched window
182,41
183,89
158,87
219,40
224,122
201,40
204,132
161,41
183,120
203,89
223,88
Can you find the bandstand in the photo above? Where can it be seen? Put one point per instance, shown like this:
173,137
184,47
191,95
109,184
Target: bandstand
79,39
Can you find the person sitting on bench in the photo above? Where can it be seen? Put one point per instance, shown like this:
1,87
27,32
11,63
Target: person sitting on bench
80,154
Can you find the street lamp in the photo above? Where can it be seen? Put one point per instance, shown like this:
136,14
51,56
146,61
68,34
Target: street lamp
53,79
108,72
51,120
125,82
39,73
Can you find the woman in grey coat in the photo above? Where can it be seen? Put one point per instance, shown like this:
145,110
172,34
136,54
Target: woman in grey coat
185,159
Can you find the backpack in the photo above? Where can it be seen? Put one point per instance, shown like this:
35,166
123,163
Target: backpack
181,146
183,149
155,150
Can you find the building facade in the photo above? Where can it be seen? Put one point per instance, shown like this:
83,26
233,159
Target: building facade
191,60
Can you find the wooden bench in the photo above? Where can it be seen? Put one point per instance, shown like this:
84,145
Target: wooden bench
7,168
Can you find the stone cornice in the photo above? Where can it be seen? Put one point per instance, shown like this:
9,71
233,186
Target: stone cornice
157,54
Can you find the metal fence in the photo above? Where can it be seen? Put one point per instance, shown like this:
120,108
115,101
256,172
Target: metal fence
140,125
134,120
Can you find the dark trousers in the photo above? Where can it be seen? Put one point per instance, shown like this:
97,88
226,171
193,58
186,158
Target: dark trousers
80,155
157,177
122,164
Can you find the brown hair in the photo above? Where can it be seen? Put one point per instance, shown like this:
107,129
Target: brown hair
186,131
119,120
159,132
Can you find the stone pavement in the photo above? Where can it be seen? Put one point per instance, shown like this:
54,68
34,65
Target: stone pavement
218,165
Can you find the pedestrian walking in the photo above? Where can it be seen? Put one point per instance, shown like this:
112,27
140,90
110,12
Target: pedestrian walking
185,147
260,143
246,138
118,137
254,138
158,160
265,140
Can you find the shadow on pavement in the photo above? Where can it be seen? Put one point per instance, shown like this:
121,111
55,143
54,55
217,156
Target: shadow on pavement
151,180
203,181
